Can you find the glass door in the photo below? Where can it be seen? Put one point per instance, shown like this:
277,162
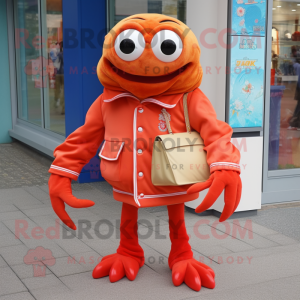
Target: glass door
40,63
29,68
120,9
52,33
282,130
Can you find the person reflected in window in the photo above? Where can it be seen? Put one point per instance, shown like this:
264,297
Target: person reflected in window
295,120
59,81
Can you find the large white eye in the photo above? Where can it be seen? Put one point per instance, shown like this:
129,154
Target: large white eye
130,44
167,45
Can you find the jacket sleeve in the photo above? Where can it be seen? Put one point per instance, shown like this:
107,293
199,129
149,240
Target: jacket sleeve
80,146
221,153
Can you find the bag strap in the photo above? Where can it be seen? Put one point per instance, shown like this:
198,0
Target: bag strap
186,116
167,120
186,113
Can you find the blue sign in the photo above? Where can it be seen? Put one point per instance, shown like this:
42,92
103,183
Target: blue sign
247,82
249,17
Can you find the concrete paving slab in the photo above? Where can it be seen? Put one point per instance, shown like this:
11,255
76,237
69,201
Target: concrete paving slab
14,255
17,225
51,245
260,263
2,262
103,247
17,196
247,293
232,275
243,225
259,242
35,206
40,211
262,252
286,288
88,260
283,220
73,246
161,213
9,240
3,229
83,214
38,193
236,245
138,288
44,188
156,261
58,292
8,196
66,266
35,283
45,221
18,296
163,247
12,215
7,208
281,239
259,229
24,202
25,271
206,235
10,283
210,251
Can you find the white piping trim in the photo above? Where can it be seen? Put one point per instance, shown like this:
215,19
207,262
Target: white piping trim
134,160
150,100
120,96
64,170
159,103
111,159
121,192
228,164
165,195
152,196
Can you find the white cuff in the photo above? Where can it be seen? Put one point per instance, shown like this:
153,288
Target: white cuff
225,164
64,170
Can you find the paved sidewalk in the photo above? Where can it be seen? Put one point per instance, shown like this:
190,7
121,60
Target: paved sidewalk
254,258
21,166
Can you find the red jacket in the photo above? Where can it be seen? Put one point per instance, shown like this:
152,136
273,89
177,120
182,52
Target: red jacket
128,127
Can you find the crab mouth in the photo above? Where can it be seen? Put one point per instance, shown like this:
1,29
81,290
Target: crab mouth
149,79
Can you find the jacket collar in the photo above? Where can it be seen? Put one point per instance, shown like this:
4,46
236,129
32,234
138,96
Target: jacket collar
168,101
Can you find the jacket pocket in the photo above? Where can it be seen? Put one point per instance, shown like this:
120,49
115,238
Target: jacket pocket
111,160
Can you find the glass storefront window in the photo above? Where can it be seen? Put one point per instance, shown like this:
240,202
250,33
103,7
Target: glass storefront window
284,145
27,61
54,101
120,9
39,63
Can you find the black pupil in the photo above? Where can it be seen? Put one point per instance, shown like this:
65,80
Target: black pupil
127,46
168,47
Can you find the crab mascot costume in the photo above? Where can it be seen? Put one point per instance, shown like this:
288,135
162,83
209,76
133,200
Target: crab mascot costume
149,62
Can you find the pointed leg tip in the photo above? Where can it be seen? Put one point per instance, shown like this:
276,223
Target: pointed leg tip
177,279
131,273
212,273
98,272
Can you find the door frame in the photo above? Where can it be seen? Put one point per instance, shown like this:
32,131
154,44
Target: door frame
279,185
35,136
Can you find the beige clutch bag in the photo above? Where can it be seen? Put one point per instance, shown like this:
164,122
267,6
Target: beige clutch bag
179,158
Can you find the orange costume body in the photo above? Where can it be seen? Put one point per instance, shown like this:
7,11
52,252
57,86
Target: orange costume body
149,61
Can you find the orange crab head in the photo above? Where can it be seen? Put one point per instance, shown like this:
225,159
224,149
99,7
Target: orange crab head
149,55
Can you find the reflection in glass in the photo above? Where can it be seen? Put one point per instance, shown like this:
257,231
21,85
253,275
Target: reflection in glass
52,31
39,63
120,9
284,145
30,73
